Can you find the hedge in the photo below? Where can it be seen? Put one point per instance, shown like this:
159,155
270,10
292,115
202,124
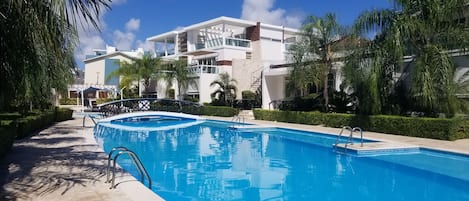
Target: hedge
68,101
221,111
435,128
14,125
7,136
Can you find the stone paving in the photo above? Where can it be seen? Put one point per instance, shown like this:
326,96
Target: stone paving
460,146
63,162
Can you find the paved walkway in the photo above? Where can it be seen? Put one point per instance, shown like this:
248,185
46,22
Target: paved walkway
460,146
63,162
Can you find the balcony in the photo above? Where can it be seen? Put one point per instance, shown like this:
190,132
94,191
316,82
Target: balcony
203,69
224,42
165,53
237,42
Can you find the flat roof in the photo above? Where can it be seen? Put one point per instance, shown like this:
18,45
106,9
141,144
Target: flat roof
108,55
229,21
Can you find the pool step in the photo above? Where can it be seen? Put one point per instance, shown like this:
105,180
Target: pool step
377,148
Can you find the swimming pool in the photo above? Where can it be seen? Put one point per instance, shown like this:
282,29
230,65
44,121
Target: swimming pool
204,160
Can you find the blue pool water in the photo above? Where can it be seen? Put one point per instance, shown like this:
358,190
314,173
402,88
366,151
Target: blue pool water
203,160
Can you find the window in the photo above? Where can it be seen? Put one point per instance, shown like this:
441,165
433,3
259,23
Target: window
248,55
207,61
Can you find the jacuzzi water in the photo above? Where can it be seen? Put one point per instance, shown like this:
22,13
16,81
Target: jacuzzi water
204,160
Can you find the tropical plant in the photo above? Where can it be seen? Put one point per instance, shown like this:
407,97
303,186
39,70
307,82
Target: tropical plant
303,74
424,30
138,70
226,88
313,54
178,71
37,39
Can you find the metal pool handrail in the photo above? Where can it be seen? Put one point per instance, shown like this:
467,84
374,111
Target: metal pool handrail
135,160
361,134
340,134
350,137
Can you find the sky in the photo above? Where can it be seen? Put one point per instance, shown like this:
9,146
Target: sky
128,23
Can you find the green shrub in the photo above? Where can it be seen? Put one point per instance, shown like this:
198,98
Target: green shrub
311,102
193,110
248,95
9,116
105,100
436,128
15,125
68,101
219,111
62,114
7,136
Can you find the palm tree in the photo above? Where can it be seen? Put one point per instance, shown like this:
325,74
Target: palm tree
37,39
226,88
177,70
426,30
313,54
303,73
143,70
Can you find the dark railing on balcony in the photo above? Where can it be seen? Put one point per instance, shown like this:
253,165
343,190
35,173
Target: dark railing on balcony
199,46
198,69
148,104
237,42
219,42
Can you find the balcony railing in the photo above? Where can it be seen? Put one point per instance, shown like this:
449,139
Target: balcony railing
165,53
220,42
207,69
237,42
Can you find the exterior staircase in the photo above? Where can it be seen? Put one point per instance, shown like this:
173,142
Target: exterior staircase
246,114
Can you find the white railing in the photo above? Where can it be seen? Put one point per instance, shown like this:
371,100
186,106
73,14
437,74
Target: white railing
207,69
224,41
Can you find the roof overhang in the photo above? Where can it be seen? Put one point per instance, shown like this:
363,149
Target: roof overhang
107,56
200,53
164,36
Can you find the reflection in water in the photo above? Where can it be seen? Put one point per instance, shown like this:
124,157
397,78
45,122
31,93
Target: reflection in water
208,162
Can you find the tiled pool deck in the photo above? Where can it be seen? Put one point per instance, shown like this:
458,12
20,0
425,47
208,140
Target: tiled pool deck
63,162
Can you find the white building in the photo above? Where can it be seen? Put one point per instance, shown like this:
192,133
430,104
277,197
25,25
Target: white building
103,62
97,68
241,48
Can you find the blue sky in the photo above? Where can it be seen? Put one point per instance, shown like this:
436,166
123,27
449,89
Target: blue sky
130,22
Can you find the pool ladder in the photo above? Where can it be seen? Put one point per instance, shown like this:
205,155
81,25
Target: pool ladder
135,160
350,137
237,120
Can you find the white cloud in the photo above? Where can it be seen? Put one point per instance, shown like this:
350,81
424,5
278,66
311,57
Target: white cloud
123,40
88,42
146,45
132,25
262,11
89,37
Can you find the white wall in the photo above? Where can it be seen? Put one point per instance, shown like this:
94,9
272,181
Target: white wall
245,72
204,87
273,88
94,73
269,33
192,39
231,53
272,51
95,70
